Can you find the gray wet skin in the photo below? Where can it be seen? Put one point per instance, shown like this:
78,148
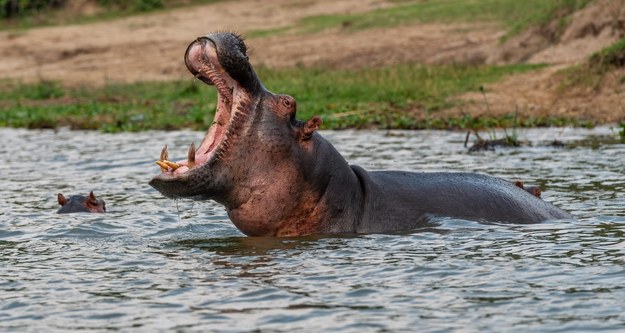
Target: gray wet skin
277,176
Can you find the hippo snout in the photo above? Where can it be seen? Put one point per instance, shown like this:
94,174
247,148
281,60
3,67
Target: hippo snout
195,55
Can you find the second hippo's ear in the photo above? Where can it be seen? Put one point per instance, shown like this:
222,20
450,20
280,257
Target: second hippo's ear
61,199
310,127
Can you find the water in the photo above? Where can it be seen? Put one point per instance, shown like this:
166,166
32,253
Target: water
152,264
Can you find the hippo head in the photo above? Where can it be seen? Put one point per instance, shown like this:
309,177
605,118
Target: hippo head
80,203
254,145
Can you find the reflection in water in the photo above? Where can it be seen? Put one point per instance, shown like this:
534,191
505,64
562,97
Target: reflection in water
248,246
154,264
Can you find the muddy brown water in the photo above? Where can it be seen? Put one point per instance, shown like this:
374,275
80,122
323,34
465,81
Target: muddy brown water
153,264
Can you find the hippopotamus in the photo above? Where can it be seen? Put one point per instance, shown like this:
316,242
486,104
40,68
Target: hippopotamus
80,203
277,176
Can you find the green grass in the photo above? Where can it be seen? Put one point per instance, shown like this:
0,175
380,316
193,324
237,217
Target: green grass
609,57
591,73
113,108
381,97
46,13
515,15
377,97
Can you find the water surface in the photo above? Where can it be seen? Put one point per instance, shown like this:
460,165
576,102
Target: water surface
154,264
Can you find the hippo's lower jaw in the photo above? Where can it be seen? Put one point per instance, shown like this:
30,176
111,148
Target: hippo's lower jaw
233,106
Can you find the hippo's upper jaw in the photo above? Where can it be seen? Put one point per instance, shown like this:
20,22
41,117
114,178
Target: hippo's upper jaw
220,60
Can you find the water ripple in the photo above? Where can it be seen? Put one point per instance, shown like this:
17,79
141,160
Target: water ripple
152,264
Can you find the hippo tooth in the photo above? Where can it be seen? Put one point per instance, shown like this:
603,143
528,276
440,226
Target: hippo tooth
162,165
172,165
191,156
164,154
208,70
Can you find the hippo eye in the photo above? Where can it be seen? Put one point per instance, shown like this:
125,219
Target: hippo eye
288,102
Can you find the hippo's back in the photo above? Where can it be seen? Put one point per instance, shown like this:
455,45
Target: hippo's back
400,198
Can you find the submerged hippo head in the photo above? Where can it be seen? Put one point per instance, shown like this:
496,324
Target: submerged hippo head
254,152
80,203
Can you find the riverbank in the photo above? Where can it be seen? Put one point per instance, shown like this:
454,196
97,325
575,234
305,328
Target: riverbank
385,64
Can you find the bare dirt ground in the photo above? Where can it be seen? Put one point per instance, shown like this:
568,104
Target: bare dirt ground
542,93
150,47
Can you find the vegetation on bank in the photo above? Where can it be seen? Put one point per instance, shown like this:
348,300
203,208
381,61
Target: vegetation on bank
594,70
32,13
610,57
515,15
403,96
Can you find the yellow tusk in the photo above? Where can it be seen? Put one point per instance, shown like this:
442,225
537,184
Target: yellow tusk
162,165
172,165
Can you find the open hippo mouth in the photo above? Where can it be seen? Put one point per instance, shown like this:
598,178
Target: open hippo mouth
219,60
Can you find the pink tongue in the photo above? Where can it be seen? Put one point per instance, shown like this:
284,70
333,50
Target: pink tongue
199,160
181,170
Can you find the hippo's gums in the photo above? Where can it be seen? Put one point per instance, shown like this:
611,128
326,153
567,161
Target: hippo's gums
277,176
81,203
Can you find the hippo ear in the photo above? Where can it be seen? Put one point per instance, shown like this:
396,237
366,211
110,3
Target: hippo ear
92,201
61,199
310,127
536,191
